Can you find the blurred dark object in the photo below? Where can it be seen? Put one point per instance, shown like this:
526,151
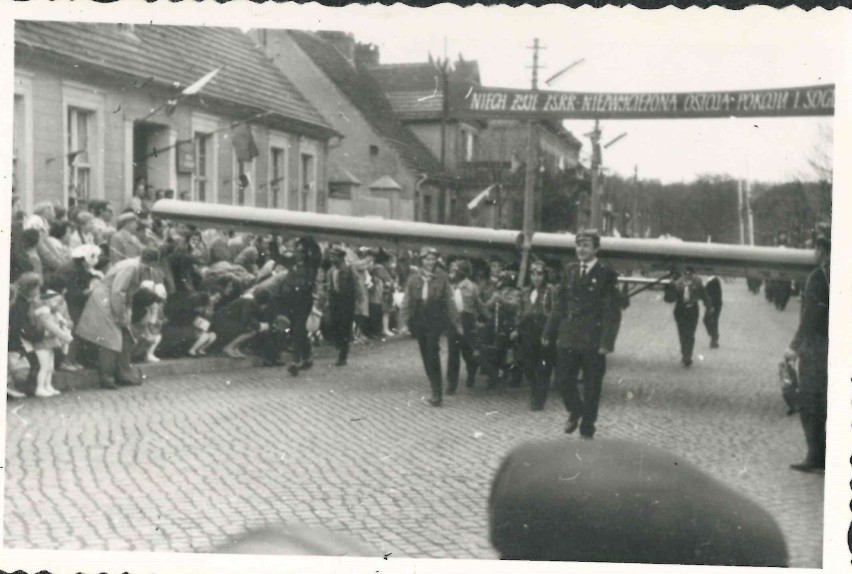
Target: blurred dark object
788,375
296,540
612,500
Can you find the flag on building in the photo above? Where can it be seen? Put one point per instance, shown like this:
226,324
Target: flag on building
244,145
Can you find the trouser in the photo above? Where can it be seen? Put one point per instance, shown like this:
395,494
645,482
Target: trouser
375,321
114,366
462,345
569,363
813,388
299,332
711,322
686,317
429,341
537,363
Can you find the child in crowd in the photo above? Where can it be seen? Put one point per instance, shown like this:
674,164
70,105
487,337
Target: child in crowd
57,335
57,284
143,317
202,308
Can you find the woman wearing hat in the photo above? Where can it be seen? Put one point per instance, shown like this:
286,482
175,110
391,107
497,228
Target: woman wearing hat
124,244
428,309
106,318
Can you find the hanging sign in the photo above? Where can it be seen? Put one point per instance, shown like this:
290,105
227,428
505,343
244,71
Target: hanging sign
480,102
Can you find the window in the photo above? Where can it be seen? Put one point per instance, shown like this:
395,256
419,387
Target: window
469,146
202,167
80,133
308,181
277,177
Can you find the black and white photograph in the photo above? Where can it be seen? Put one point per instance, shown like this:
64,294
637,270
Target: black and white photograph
423,285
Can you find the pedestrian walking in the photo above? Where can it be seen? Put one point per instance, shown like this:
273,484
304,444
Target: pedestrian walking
497,335
584,324
428,309
342,292
711,314
464,344
536,360
685,292
810,346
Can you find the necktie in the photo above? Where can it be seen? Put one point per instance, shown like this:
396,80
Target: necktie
582,270
425,292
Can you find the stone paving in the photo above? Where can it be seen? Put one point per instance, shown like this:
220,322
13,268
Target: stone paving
184,463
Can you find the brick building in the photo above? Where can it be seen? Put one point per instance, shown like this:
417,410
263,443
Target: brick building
83,123
379,168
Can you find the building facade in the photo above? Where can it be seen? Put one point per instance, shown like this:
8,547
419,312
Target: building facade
379,168
99,108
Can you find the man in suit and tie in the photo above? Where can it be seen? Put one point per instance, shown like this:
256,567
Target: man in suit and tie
584,323
685,292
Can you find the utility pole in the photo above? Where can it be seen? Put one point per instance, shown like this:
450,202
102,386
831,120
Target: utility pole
529,182
595,138
749,213
635,208
740,210
443,68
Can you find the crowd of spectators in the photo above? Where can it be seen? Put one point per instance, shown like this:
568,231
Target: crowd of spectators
92,288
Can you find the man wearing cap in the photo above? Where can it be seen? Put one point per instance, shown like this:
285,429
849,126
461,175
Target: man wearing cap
810,346
341,302
685,292
584,323
124,244
428,310
105,320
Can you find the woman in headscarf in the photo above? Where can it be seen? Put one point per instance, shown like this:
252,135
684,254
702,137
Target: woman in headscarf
105,320
428,309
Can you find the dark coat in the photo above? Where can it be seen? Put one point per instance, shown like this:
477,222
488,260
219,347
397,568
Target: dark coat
438,313
812,334
586,311
714,292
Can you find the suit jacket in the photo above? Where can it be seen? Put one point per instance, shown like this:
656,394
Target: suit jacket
438,312
586,312
676,292
714,292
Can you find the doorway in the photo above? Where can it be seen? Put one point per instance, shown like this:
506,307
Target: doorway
152,155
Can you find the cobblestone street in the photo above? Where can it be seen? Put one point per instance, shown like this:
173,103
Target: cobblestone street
183,463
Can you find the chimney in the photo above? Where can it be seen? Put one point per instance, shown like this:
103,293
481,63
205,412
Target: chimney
366,54
343,41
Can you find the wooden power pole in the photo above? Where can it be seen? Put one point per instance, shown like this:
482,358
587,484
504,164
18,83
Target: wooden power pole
529,181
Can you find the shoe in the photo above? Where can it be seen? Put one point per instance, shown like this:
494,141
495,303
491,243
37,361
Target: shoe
714,344
534,406
807,467
293,369
572,424
587,431
340,363
435,401
153,359
687,362
470,382
306,364
70,367
13,394
451,389
109,385
55,392
43,394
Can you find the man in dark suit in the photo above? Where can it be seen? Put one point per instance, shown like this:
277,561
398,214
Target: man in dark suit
711,319
341,303
584,322
685,292
810,346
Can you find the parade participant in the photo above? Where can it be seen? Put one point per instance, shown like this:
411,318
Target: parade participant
464,344
712,313
584,324
428,310
810,346
298,297
536,361
124,244
341,303
685,292
489,286
106,318
502,315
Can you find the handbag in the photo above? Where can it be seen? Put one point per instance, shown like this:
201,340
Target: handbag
789,379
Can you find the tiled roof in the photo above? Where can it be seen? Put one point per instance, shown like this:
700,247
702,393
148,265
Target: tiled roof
407,77
175,56
417,105
362,90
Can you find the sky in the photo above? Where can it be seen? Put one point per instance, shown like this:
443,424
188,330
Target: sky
629,50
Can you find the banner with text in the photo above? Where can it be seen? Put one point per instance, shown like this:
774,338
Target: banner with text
510,103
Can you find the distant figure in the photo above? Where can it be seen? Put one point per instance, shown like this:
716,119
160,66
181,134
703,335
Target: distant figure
341,303
685,292
616,500
712,313
810,346
753,285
